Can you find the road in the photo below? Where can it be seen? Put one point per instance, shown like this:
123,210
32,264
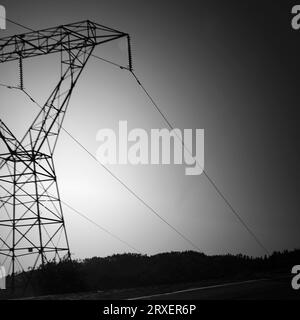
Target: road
263,289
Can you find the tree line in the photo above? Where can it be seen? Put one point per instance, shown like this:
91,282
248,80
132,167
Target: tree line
135,270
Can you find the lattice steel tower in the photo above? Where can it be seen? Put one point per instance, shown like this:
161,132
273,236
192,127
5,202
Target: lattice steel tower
32,227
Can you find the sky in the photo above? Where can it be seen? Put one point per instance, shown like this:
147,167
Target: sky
228,68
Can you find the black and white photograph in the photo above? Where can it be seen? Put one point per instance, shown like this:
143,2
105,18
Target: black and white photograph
149,156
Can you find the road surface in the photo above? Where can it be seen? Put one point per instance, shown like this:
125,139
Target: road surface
263,289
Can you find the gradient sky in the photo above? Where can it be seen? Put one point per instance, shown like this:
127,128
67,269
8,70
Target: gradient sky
229,68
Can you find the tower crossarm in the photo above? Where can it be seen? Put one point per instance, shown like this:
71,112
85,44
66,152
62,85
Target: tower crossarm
75,42
52,40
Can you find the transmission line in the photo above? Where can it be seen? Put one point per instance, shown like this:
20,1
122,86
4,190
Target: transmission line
122,182
212,182
112,174
94,223
100,227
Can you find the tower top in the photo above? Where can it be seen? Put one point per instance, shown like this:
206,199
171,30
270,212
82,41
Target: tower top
56,39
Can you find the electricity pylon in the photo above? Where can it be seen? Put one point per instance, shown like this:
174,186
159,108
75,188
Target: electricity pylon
32,226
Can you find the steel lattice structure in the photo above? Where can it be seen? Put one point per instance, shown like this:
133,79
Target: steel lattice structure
31,216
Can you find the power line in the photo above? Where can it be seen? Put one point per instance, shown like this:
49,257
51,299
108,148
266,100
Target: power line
109,171
134,193
110,62
122,182
94,223
212,182
19,24
8,86
100,227
66,204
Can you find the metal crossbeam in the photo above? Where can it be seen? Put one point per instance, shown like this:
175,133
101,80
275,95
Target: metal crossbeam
73,36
